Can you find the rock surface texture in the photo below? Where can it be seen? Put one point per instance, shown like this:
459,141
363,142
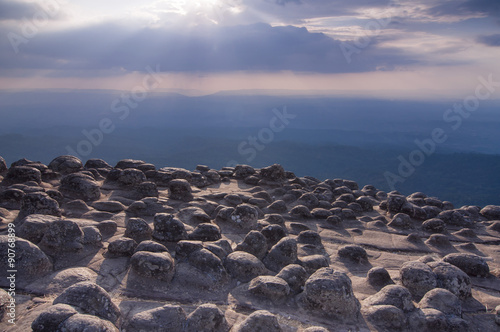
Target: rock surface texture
138,247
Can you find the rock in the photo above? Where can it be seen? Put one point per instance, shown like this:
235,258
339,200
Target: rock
62,235
122,247
3,165
354,253
22,174
328,292
66,165
440,241
260,320
193,215
334,221
395,203
131,177
243,171
418,278
295,275
138,229
365,202
379,277
281,254
30,261
401,220
167,318
156,265
452,278
244,216
129,163
385,317
50,319
38,203
180,190
442,300
497,315
273,233
11,198
91,299
471,264
491,212
434,225
97,163
394,295
80,186
453,217
78,322
33,227
313,262
107,227
272,288
310,237
151,246
274,173
300,211
109,206
205,232
5,303
207,318
254,243
76,208
315,329
309,200
244,266
207,262
435,320
278,206
168,228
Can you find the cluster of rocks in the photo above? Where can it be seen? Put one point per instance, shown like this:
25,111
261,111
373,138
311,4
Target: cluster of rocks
178,229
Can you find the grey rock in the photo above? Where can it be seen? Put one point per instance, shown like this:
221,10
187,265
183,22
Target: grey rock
354,253
168,228
207,318
151,246
295,275
66,165
401,220
30,261
328,292
180,190
281,254
166,318
434,225
138,229
109,206
39,203
78,323
80,186
471,264
274,173
22,174
205,232
492,212
260,320
91,235
254,243
244,216
33,227
156,265
129,163
50,319
121,247
62,235
269,287
418,278
452,278
386,317
300,211
244,266
131,177
92,299
442,300
394,295
379,277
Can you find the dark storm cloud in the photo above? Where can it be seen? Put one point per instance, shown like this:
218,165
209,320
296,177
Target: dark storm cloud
14,10
453,7
256,47
490,40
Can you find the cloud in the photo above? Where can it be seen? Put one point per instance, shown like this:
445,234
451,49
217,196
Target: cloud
466,8
256,47
490,40
19,10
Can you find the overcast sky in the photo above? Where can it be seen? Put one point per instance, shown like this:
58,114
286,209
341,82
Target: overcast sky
406,48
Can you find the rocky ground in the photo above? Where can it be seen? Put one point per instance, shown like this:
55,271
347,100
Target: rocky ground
136,248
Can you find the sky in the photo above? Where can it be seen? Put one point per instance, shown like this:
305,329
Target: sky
423,49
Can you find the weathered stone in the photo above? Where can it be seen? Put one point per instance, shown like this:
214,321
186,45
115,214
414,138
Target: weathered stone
121,247
295,275
207,318
260,320
418,278
471,264
138,229
269,287
281,254
244,266
168,228
394,295
50,319
328,292
91,299
442,300
167,318
180,190
62,235
156,265
254,243
80,186
39,203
